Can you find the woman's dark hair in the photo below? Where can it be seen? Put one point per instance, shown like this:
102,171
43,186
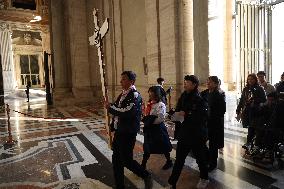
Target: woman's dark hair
254,77
215,79
156,90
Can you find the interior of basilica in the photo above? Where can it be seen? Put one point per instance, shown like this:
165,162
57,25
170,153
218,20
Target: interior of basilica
59,60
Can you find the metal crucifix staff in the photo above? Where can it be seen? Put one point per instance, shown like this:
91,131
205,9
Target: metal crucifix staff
96,39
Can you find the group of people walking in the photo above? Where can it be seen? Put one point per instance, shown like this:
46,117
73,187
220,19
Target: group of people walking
203,120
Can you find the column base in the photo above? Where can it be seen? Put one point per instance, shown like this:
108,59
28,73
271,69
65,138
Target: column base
72,96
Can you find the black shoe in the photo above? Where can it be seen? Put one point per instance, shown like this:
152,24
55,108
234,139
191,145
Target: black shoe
211,167
167,165
148,181
246,146
172,185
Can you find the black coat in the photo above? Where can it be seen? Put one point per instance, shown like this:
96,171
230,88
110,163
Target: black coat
277,117
156,137
280,87
193,128
216,109
250,110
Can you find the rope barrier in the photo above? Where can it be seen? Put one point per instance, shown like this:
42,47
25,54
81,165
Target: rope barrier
39,117
10,140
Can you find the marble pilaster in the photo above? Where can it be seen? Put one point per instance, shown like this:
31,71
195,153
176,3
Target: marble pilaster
62,81
80,66
229,74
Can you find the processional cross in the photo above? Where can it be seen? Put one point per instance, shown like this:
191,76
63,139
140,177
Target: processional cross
96,39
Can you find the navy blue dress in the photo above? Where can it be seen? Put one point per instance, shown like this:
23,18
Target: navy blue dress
156,137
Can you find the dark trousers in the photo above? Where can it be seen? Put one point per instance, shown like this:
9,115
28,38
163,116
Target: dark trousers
251,134
28,94
199,151
122,146
146,156
213,153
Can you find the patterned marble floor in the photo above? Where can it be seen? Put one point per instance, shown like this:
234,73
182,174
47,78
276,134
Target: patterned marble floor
65,147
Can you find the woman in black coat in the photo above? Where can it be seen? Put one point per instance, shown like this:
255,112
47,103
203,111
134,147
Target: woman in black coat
216,100
253,96
156,138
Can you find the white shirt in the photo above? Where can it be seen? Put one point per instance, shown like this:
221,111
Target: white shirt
159,110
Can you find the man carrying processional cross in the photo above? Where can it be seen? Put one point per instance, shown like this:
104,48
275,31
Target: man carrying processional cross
126,121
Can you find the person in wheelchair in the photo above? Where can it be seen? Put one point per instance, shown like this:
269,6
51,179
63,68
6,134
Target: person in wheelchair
274,132
263,127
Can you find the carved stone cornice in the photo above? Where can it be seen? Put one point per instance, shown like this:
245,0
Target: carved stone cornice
24,26
26,49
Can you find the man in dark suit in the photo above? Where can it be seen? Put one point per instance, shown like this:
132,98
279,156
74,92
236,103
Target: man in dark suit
126,123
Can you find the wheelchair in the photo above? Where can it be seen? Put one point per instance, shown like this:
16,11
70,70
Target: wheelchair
273,155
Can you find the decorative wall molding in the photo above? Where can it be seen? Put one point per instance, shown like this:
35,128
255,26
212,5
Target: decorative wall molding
3,4
26,49
24,26
4,26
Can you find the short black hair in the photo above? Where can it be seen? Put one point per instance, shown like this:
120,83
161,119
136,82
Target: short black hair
261,73
160,80
130,74
192,78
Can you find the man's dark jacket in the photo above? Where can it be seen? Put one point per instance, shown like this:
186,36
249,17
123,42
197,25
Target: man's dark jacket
193,128
128,113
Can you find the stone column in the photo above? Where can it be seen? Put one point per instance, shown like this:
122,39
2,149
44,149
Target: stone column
77,31
17,69
114,46
58,43
187,37
229,74
169,41
41,69
185,41
201,43
45,37
152,55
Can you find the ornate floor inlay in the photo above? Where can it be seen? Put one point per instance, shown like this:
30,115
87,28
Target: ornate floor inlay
65,148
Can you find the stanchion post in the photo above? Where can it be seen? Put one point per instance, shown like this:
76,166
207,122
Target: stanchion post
10,140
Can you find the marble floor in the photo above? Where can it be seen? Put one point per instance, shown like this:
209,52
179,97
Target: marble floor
66,148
